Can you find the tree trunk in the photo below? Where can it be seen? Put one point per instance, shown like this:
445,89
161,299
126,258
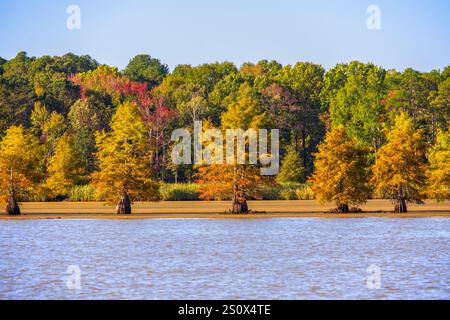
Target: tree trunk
124,205
343,208
400,207
12,208
239,205
304,152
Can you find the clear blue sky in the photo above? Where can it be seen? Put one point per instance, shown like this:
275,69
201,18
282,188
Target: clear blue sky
413,33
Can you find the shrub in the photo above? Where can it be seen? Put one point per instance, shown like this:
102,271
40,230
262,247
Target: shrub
179,192
288,194
35,197
305,192
186,192
270,193
292,169
288,191
81,193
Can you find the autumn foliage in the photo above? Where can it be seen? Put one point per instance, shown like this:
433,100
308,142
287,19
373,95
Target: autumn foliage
341,171
124,160
399,169
240,182
438,173
355,131
19,166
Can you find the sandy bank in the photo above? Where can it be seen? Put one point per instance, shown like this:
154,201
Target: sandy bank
203,209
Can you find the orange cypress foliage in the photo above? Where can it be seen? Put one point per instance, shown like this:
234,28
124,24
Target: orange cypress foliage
341,171
399,169
237,181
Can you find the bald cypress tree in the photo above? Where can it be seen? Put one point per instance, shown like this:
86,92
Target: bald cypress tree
18,164
238,181
65,169
438,172
399,170
125,174
341,171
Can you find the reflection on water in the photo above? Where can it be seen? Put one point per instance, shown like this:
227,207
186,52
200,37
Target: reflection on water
226,259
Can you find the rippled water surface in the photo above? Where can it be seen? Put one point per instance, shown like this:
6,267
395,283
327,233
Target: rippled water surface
226,259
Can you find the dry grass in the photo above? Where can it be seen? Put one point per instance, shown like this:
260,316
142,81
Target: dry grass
204,209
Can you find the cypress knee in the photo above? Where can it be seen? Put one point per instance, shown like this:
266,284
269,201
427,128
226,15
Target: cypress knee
12,208
124,205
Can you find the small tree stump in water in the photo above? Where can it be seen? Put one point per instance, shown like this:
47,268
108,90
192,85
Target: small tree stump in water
124,205
12,208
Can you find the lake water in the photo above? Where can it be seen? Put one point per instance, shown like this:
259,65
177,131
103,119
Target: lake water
305,258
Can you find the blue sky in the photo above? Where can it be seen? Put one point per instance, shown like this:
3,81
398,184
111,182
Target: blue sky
413,33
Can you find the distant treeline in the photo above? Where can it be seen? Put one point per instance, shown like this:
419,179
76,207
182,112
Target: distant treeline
69,101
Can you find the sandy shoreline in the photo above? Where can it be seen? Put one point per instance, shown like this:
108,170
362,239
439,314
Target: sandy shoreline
216,209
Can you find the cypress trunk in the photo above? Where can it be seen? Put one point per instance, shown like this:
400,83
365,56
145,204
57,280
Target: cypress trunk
239,205
343,208
12,208
124,205
400,207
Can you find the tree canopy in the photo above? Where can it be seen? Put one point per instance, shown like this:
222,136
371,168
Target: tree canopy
399,169
65,102
144,68
341,172
124,159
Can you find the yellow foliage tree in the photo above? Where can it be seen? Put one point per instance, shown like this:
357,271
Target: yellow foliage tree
438,172
65,168
125,174
54,127
399,169
341,171
237,181
18,163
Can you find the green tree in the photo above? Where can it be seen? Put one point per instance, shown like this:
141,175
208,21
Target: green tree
84,123
39,118
410,92
26,80
357,102
16,92
292,169
298,107
2,62
144,68
439,110
187,82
